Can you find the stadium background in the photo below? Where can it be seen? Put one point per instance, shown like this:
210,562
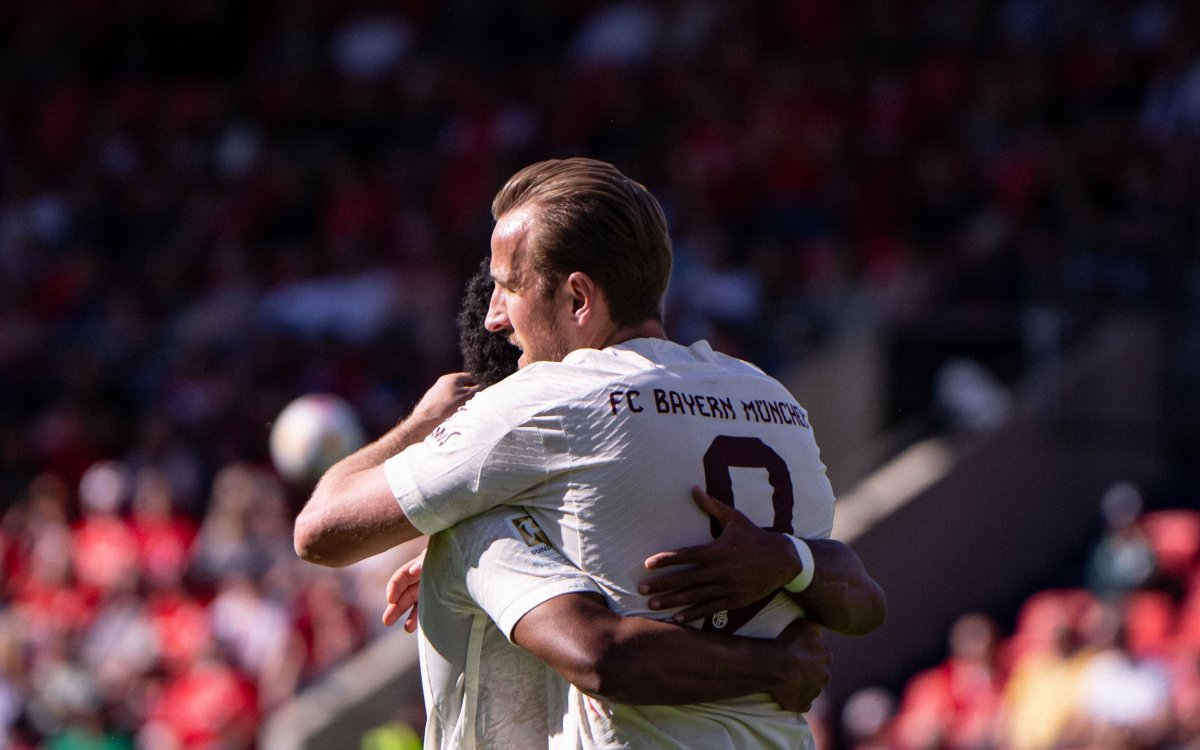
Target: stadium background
964,231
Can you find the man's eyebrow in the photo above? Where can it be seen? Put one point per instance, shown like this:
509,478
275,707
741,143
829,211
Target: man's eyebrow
509,281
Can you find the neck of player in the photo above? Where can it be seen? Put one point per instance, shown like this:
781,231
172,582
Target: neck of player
647,329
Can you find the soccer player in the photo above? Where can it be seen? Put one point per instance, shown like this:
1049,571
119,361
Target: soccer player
487,572
598,437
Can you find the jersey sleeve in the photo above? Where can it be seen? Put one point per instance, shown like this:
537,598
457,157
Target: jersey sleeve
512,567
477,459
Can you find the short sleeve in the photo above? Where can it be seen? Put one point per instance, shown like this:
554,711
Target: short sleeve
477,459
512,567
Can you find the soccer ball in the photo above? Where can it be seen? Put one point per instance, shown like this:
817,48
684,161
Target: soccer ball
313,433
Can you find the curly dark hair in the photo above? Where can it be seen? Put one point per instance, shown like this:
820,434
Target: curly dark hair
487,356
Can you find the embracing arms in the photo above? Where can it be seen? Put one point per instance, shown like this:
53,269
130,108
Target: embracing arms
352,513
637,660
746,563
642,661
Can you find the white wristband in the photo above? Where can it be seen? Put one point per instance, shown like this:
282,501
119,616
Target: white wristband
801,581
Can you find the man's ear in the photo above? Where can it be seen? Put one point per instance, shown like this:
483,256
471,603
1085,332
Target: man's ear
584,296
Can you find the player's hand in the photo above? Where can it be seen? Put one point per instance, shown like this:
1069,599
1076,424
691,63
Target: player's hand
744,564
809,666
445,397
402,590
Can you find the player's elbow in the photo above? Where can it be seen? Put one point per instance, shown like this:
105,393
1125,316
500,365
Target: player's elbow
314,539
871,613
604,671
585,642
589,655
878,609
310,543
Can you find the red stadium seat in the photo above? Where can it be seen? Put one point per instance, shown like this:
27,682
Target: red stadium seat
1175,537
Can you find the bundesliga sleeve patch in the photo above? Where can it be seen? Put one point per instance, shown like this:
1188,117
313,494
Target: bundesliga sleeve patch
527,530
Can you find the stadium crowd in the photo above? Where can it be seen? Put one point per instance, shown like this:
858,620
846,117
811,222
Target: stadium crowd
208,207
1113,662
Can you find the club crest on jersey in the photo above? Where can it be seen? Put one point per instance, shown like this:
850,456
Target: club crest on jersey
530,533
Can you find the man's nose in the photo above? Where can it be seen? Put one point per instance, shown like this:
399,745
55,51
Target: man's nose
497,315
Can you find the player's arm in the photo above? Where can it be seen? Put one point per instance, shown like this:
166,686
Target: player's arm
642,661
352,513
746,563
543,603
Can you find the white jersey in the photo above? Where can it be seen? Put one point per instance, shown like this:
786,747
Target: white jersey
603,449
481,691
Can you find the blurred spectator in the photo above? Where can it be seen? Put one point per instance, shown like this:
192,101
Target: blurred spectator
47,599
206,705
63,692
1174,535
1123,560
331,630
103,546
955,704
227,542
44,510
867,719
1149,622
182,626
258,636
121,649
164,537
1123,701
1041,694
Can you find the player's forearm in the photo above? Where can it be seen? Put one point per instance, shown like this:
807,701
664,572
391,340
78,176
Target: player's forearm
842,597
643,661
652,662
352,514
409,431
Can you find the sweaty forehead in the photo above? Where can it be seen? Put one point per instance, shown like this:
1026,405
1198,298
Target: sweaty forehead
511,245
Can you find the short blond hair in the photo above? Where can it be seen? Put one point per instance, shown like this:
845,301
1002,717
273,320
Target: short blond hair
591,218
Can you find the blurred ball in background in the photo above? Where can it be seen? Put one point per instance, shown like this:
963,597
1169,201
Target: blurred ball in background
312,433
